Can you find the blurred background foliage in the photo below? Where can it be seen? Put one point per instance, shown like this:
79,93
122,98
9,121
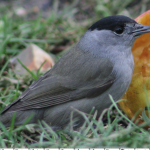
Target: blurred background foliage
55,24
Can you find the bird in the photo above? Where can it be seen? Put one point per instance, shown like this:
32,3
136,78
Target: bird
100,64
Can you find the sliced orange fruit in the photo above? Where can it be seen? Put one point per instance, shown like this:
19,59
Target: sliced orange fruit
136,96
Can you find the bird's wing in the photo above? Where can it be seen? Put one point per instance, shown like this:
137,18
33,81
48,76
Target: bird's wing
70,79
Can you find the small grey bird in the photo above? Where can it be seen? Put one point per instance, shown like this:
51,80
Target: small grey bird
101,63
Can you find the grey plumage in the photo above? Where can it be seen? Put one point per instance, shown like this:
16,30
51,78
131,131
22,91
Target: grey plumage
101,63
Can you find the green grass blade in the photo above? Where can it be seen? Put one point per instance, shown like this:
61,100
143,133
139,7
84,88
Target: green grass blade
38,71
32,74
120,111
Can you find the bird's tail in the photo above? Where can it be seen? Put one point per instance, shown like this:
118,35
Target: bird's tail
17,118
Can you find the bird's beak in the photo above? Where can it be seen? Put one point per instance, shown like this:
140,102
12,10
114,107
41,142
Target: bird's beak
141,29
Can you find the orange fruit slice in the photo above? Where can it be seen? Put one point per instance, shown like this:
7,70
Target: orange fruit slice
136,95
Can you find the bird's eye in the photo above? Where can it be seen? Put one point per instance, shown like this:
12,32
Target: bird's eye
119,30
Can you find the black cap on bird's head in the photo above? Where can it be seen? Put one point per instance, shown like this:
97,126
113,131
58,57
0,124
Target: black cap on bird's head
110,23
118,23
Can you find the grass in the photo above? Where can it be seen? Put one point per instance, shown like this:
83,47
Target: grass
61,29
